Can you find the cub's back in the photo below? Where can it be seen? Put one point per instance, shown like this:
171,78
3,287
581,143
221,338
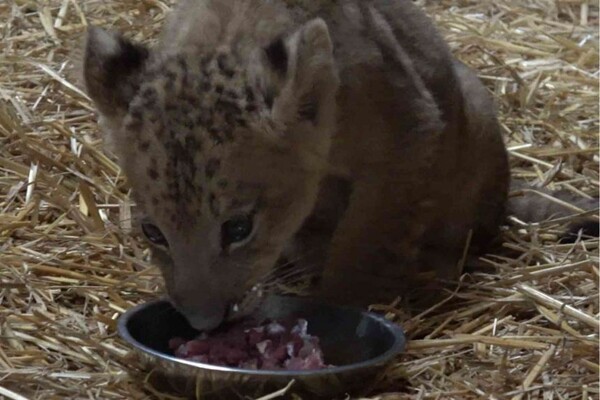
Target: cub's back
207,24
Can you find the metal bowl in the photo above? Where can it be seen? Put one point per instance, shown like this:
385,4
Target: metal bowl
358,343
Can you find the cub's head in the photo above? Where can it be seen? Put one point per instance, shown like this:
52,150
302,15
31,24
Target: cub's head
224,151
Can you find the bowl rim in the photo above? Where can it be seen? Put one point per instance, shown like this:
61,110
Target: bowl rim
396,348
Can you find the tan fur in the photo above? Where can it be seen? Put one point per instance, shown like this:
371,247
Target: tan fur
366,151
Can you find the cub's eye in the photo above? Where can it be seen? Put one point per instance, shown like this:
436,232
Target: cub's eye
235,230
154,235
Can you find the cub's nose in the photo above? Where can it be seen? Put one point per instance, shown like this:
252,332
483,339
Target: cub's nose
203,322
202,318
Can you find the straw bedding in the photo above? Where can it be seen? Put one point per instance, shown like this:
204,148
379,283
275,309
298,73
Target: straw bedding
522,327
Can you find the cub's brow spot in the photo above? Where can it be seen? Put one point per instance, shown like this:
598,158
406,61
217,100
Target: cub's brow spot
211,168
153,173
144,146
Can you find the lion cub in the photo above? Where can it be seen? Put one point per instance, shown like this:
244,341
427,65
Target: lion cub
335,136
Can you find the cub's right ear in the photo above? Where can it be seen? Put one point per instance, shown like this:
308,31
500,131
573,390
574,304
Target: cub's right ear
111,70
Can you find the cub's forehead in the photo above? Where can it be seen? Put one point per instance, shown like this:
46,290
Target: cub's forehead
181,123
211,94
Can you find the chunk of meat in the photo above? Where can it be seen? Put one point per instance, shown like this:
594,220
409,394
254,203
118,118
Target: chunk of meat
275,345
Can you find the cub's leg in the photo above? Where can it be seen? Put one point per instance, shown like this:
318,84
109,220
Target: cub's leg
376,244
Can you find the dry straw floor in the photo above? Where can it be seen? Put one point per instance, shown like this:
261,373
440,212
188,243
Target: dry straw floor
525,328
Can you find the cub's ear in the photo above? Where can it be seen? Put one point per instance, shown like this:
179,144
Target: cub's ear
306,76
112,67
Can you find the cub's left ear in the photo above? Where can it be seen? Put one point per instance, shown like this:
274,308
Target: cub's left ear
308,81
111,70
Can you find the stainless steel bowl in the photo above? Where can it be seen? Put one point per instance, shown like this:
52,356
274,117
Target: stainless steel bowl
358,343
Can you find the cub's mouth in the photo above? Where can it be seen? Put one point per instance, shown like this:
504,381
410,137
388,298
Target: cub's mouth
286,279
246,305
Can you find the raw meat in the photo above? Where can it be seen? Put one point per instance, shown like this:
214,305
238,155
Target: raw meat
275,345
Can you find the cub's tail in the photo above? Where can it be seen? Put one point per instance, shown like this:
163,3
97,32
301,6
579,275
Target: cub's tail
530,204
